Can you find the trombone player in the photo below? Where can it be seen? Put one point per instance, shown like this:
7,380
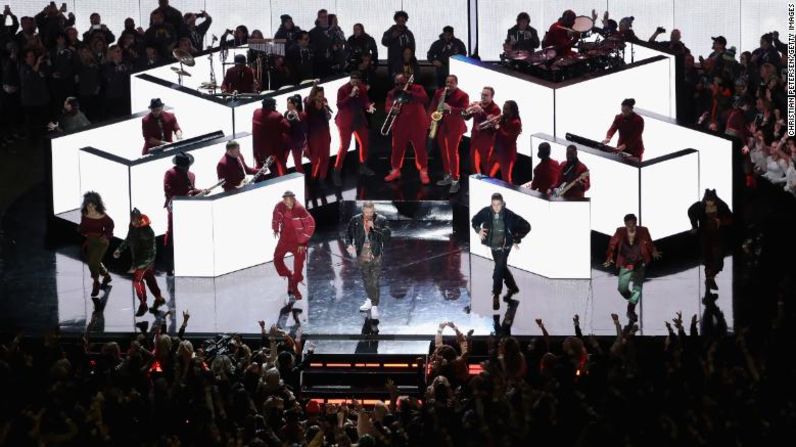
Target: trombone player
408,121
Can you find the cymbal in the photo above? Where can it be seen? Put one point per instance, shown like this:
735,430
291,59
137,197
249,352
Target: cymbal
183,57
208,85
180,72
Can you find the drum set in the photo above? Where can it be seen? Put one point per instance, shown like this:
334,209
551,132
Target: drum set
591,56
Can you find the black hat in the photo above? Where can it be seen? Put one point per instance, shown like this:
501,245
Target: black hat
720,39
155,103
284,18
135,212
182,160
288,193
447,29
240,59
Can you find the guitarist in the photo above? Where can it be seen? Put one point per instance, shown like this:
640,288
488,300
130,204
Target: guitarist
572,171
232,168
178,181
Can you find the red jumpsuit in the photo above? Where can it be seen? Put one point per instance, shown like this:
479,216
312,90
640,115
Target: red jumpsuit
569,173
630,130
558,37
239,78
163,131
410,126
295,227
318,138
451,129
505,153
176,182
545,175
233,170
350,120
481,141
269,131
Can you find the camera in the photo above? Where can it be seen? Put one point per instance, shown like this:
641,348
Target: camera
660,29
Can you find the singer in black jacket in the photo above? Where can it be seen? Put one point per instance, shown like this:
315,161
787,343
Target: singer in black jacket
367,232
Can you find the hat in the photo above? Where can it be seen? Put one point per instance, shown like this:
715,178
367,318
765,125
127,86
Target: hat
285,17
627,21
135,212
288,194
182,160
720,39
155,103
447,29
231,144
269,103
240,59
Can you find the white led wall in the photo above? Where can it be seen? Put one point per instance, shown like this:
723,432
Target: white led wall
634,53
110,179
559,244
668,189
227,232
534,101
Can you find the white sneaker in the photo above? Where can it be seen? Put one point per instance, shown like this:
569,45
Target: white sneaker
374,312
366,306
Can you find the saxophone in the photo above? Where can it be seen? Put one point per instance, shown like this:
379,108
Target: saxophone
436,116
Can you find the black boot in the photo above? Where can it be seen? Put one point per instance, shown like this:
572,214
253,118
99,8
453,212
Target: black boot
141,309
710,284
510,293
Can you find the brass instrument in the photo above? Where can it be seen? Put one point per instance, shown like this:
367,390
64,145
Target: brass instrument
258,72
436,116
472,109
395,109
490,123
291,115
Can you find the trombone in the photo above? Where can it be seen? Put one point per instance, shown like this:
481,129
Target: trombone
395,109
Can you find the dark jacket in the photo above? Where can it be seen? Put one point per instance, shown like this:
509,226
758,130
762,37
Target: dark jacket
141,241
378,235
698,217
442,51
516,227
527,39
359,45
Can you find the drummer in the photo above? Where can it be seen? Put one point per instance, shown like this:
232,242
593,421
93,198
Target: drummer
522,36
561,36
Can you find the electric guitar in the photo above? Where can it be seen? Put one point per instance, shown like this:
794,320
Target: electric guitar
268,162
561,190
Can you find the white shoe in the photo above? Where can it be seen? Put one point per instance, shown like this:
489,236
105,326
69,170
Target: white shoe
374,312
366,306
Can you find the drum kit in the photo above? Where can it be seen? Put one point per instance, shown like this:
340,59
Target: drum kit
591,57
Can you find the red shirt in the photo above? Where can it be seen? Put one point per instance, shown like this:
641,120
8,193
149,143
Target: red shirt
545,175
506,135
269,131
413,113
162,129
239,78
558,38
102,227
489,111
351,110
294,225
642,239
458,101
233,170
567,174
178,182
630,129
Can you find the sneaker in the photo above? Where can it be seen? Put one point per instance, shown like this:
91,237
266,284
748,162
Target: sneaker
338,182
495,301
374,312
510,293
106,279
424,177
366,306
454,187
142,308
445,181
364,170
393,176
95,288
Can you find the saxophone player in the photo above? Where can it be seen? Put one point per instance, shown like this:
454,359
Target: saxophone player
452,103
409,127
482,140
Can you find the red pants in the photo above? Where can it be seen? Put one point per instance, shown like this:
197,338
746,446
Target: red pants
282,248
503,160
318,143
361,134
481,152
401,137
449,150
141,275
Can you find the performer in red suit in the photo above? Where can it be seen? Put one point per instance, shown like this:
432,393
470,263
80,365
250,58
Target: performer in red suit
630,126
269,132
232,168
409,127
482,140
294,226
545,174
508,129
559,37
178,181
570,172
318,137
352,104
451,129
296,139
159,127
238,78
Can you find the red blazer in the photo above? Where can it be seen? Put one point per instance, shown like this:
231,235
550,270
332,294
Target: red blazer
545,175
351,111
630,130
233,170
642,237
270,130
238,78
458,101
294,225
177,183
579,190
489,111
151,129
96,227
558,38
413,113
506,135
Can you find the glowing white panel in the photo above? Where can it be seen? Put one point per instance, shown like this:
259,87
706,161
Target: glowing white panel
110,179
559,244
705,18
535,101
426,20
638,53
614,189
668,188
715,153
233,229
759,17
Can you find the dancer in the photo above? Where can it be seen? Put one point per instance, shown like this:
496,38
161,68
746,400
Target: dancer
141,241
367,232
709,217
97,228
294,226
501,230
631,248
